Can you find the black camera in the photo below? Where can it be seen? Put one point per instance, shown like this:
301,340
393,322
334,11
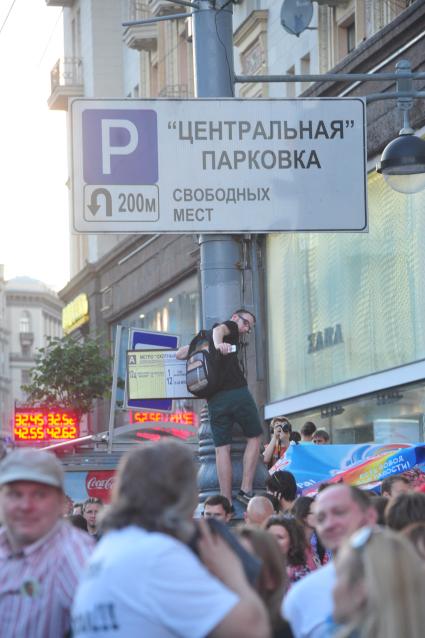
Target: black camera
251,564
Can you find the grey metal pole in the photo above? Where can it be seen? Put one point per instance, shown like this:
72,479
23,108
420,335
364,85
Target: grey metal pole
214,77
213,49
221,255
114,388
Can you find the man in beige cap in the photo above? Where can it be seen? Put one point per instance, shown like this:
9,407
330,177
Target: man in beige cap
41,555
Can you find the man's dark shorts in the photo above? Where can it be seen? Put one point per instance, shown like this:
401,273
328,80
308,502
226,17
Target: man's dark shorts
233,406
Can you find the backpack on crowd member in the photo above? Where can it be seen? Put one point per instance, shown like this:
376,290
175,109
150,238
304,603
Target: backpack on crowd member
202,366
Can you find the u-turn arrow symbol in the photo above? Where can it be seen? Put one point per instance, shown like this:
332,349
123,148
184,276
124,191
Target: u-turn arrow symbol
94,206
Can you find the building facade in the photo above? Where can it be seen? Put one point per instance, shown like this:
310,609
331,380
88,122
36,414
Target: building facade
5,392
34,314
146,282
350,329
336,312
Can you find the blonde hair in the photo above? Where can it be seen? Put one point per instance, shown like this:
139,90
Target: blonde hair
394,587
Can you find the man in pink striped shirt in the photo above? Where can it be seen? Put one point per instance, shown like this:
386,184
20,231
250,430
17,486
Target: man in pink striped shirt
41,555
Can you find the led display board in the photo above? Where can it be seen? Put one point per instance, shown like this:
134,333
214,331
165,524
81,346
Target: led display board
154,425
41,425
184,418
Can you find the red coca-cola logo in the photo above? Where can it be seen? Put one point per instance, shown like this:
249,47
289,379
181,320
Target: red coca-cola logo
99,484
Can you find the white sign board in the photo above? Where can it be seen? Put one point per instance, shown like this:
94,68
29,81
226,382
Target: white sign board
156,374
149,340
228,165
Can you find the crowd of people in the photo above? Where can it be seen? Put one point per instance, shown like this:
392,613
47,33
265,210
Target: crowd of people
344,563
297,566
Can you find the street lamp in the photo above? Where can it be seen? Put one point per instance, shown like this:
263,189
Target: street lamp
403,160
403,163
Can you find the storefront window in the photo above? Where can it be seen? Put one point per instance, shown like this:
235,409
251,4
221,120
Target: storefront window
344,305
176,312
396,415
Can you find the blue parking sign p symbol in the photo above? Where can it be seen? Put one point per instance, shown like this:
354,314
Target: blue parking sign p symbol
120,146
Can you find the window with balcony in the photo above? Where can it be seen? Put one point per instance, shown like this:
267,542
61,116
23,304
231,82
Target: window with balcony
25,321
136,36
66,81
26,335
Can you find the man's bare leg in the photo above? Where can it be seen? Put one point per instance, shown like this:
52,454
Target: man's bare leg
224,470
250,460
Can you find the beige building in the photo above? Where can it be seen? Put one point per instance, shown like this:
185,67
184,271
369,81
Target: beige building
5,393
33,314
103,59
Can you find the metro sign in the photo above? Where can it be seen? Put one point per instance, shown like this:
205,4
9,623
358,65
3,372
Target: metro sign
228,165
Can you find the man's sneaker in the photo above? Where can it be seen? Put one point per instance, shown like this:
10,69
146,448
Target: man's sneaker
244,497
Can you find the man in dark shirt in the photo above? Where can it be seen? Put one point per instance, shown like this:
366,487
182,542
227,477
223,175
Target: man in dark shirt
233,403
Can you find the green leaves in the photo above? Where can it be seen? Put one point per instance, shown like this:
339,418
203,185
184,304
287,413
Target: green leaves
69,374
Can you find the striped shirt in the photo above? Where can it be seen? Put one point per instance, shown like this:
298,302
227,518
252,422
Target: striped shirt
37,584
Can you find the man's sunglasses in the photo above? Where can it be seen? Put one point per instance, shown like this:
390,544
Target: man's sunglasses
246,323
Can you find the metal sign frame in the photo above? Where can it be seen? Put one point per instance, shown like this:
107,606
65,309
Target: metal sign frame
219,165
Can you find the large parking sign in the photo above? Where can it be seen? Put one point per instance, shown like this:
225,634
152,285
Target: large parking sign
228,165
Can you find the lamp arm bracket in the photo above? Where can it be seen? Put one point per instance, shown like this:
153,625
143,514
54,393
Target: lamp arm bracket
395,95
170,16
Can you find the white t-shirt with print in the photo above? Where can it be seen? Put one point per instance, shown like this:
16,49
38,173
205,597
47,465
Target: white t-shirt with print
308,605
146,584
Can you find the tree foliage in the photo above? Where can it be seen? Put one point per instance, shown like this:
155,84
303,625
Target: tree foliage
69,374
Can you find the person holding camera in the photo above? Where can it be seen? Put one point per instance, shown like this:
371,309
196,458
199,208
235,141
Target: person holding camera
281,431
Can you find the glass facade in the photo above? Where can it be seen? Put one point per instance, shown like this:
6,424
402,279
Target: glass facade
343,306
396,415
177,312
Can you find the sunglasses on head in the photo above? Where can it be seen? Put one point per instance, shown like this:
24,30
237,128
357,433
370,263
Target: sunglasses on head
360,539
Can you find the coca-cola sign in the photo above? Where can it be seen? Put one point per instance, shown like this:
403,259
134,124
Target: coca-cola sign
99,484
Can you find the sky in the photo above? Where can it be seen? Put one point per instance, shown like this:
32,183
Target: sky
34,220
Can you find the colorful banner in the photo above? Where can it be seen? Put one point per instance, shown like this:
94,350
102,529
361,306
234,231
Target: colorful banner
353,464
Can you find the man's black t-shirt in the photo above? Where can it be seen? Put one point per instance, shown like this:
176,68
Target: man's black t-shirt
231,374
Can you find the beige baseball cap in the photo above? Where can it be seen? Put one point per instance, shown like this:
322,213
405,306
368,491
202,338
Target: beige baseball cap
32,465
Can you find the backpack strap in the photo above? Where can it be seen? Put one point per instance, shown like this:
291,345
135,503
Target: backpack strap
200,336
